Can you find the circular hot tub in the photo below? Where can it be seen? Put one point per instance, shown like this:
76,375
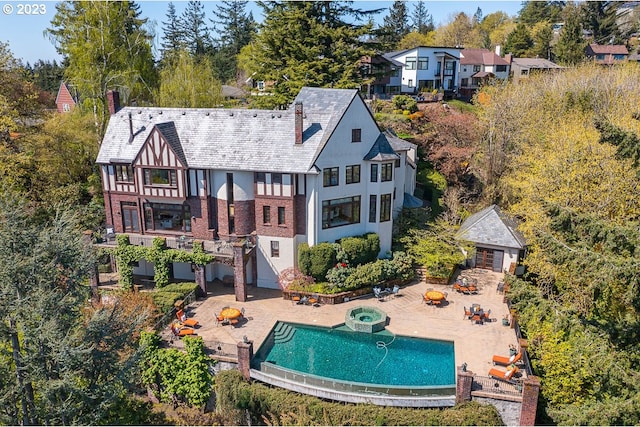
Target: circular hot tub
366,319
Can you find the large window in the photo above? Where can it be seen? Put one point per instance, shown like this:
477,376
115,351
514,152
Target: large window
353,174
330,177
339,212
501,68
374,172
160,177
410,63
167,217
124,173
373,202
385,207
423,63
387,172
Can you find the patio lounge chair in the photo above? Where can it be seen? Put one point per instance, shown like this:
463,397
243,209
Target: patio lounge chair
506,376
181,331
505,361
182,318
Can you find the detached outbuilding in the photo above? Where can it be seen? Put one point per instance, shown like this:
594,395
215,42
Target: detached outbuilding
499,244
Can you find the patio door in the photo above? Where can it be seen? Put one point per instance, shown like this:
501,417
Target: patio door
489,259
130,217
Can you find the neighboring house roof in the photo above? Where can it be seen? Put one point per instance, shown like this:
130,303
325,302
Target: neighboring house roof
233,92
483,74
481,56
608,49
233,139
491,226
65,91
539,63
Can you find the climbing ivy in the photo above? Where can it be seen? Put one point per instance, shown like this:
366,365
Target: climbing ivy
173,375
161,257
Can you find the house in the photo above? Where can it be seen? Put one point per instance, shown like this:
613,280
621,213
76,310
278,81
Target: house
65,100
606,54
498,242
521,68
425,68
386,75
478,66
317,172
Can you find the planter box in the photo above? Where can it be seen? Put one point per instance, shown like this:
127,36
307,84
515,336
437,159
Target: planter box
342,296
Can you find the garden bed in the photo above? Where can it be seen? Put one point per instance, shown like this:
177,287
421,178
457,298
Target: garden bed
341,297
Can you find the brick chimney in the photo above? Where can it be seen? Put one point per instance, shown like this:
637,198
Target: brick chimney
298,122
113,101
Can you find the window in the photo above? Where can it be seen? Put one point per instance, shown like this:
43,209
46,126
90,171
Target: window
476,68
356,135
374,172
395,72
275,249
465,82
124,173
373,202
276,178
338,212
410,84
600,57
387,172
410,63
423,63
160,177
281,216
397,163
330,177
66,108
266,214
385,207
501,68
619,57
524,72
353,174
165,216
260,85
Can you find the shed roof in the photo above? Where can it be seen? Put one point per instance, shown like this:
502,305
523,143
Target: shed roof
491,226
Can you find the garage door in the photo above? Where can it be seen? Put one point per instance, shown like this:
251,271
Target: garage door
490,259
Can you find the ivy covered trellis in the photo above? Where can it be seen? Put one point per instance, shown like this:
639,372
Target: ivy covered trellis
127,254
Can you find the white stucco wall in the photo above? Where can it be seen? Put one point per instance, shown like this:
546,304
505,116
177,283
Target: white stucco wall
269,268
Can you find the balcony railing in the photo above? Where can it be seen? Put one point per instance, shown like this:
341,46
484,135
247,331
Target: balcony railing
216,247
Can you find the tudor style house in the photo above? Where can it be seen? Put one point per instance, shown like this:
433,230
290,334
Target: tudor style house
317,172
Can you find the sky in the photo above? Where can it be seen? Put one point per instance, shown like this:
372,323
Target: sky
22,23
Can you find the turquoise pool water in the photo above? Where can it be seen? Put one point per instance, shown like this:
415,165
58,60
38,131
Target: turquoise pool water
374,358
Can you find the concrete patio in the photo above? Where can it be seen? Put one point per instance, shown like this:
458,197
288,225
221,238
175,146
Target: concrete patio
408,315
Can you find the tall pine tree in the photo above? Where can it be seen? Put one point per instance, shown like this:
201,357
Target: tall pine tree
173,37
194,29
396,25
421,19
569,49
600,18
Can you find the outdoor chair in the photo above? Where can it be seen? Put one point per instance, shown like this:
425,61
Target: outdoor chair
182,318
110,233
181,331
395,291
505,361
467,313
506,376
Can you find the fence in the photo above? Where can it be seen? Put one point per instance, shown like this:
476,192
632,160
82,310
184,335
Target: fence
490,387
168,317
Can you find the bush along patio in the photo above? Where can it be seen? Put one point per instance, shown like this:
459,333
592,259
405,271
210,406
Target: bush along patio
335,271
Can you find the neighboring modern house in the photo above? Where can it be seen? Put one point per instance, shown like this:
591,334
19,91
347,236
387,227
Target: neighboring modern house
65,100
498,241
425,68
479,65
272,179
521,68
387,75
607,54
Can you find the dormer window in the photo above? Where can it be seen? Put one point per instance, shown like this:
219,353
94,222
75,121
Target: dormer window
161,177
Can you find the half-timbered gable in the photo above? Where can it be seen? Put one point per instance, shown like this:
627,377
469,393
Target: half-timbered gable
160,164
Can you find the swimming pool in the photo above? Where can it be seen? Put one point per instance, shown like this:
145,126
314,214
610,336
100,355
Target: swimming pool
366,358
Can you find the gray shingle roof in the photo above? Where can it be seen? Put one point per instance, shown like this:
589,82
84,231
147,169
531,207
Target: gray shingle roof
492,227
398,144
381,150
233,139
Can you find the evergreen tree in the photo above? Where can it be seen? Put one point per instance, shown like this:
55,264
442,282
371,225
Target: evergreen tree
422,21
194,29
570,47
307,44
535,11
396,25
477,17
107,47
600,18
519,42
235,29
47,75
173,38
542,35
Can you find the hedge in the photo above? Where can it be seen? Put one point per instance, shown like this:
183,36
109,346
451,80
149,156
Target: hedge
317,260
282,407
165,297
361,249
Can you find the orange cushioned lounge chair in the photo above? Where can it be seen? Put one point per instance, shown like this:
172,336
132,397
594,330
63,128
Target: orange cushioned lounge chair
504,360
182,318
181,331
506,376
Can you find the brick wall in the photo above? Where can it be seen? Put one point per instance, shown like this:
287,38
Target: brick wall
529,408
273,229
200,227
245,219
300,207
223,217
116,219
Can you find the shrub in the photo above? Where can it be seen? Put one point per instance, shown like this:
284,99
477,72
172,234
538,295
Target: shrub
338,274
165,297
361,249
404,102
316,261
